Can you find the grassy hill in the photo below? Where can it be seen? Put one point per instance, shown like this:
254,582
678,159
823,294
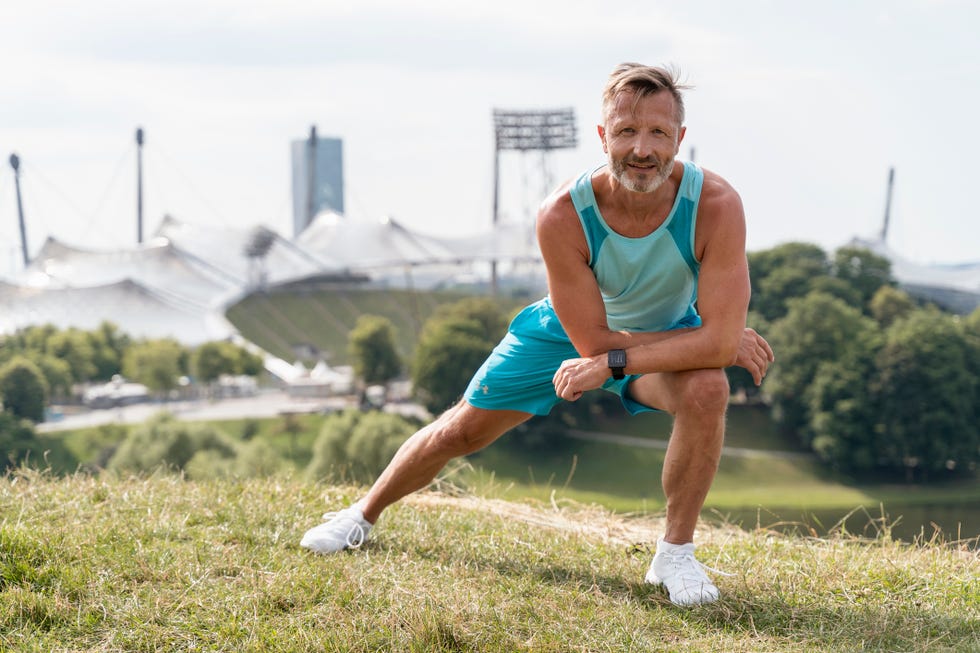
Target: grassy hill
764,488
161,564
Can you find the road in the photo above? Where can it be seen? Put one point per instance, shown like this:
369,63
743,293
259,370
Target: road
273,404
264,404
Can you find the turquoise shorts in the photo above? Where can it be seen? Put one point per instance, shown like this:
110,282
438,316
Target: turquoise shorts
517,375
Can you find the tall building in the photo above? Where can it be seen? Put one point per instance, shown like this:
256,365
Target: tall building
318,178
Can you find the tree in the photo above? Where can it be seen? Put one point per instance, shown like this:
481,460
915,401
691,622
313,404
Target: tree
890,304
108,346
23,389
249,363
447,355
818,329
74,347
844,412
372,348
453,344
17,440
483,311
157,364
57,374
864,271
928,395
213,359
783,273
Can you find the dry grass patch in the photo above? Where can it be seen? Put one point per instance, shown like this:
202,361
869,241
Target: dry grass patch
160,564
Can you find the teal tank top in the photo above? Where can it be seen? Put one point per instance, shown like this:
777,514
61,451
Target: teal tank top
648,283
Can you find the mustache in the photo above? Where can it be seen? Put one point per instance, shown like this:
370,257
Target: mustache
647,160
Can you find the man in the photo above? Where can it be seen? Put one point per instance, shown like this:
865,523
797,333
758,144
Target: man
648,292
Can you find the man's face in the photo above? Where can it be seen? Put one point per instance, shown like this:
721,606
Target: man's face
641,139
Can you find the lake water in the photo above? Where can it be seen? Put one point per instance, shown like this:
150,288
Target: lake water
907,523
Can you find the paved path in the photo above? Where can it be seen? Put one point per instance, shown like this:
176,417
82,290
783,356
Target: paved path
651,443
273,404
264,404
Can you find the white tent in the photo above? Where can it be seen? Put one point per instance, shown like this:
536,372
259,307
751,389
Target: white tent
954,286
359,245
180,283
137,310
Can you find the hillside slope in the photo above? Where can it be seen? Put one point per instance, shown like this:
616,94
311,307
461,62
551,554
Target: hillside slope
162,564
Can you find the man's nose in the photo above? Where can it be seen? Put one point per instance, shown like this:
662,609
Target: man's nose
643,146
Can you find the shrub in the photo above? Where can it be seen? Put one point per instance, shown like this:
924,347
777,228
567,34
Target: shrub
163,441
357,446
23,389
17,440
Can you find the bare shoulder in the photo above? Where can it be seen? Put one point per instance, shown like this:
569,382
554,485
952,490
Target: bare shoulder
557,222
557,207
721,217
718,197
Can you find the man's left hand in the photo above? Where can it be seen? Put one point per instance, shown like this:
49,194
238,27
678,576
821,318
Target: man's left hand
754,354
579,375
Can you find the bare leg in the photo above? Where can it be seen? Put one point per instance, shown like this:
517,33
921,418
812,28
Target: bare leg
697,399
461,430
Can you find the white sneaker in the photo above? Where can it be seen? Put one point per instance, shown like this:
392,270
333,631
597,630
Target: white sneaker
675,567
346,529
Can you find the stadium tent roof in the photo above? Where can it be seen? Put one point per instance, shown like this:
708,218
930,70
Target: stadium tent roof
224,251
965,276
356,244
955,286
134,308
179,283
157,266
504,242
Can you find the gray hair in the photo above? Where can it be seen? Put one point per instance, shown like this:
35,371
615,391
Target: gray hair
643,81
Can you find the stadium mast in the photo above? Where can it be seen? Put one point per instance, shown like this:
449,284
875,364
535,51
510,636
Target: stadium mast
311,183
15,164
139,185
888,204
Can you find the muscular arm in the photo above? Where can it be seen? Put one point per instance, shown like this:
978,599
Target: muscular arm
723,297
572,285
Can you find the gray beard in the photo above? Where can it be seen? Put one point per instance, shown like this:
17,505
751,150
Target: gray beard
621,173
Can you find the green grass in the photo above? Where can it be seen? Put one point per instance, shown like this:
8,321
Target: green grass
161,564
761,490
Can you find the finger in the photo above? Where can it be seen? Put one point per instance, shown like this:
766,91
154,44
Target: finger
768,349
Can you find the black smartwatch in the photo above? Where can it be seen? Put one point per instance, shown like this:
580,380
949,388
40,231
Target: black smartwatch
617,361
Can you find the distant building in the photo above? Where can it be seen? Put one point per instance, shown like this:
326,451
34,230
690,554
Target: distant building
320,161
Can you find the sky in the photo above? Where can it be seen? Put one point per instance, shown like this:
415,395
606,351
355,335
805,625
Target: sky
803,107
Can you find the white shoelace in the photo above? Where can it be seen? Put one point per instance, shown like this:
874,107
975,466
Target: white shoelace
677,560
355,533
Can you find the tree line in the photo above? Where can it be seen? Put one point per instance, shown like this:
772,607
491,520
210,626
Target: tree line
867,377
41,365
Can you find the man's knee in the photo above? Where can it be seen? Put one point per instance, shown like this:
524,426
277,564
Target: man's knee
704,391
454,434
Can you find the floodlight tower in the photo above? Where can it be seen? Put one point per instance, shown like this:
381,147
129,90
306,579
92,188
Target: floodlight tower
15,164
539,131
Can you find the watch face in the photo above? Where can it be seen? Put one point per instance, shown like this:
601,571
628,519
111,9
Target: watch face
617,358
